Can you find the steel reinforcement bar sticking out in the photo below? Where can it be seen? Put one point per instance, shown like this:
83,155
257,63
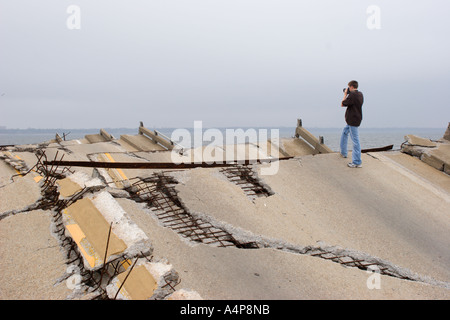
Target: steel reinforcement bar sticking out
245,178
159,192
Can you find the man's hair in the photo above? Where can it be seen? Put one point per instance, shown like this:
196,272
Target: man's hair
353,84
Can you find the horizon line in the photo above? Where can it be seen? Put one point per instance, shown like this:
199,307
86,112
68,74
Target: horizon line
217,127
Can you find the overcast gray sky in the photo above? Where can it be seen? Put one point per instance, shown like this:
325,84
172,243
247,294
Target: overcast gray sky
225,62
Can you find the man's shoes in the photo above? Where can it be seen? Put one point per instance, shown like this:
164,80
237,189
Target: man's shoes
352,165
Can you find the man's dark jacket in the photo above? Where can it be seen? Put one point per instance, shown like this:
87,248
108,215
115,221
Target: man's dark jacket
353,102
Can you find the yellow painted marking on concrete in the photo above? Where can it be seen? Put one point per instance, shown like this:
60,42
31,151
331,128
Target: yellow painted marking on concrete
68,187
112,172
37,178
14,156
11,155
140,284
109,157
124,177
122,291
126,264
96,228
78,236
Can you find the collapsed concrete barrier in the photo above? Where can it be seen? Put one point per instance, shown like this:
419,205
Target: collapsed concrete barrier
434,153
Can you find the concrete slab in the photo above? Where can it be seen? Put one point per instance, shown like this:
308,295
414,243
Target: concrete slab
157,156
126,146
435,154
28,157
418,141
74,183
14,161
6,172
116,176
90,231
249,151
73,142
94,138
31,260
438,158
68,188
376,210
140,142
77,152
231,273
88,222
297,147
146,280
228,153
19,195
102,136
219,153
140,285
418,168
86,149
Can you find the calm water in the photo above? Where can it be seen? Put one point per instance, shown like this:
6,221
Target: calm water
370,137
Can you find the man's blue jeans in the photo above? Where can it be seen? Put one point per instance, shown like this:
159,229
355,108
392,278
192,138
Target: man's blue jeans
354,135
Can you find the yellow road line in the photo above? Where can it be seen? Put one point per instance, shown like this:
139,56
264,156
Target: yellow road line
17,157
124,177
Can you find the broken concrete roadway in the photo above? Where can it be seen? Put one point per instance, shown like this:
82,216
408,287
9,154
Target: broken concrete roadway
394,208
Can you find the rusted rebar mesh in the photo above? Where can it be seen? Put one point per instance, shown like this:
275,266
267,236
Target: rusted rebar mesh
246,179
158,191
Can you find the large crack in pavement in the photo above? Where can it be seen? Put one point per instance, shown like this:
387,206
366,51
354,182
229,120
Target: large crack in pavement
344,256
160,194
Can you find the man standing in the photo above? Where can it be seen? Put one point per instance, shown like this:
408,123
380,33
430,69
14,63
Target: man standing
353,100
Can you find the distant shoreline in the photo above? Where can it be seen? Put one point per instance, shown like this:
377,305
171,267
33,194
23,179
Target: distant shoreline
370,137
54,130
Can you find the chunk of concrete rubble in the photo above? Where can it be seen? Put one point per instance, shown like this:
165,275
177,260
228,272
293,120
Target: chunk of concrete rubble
88,222
414,140
436,154
16,162
147,280
438,158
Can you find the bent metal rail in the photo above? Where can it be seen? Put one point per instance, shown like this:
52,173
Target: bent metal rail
158,165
